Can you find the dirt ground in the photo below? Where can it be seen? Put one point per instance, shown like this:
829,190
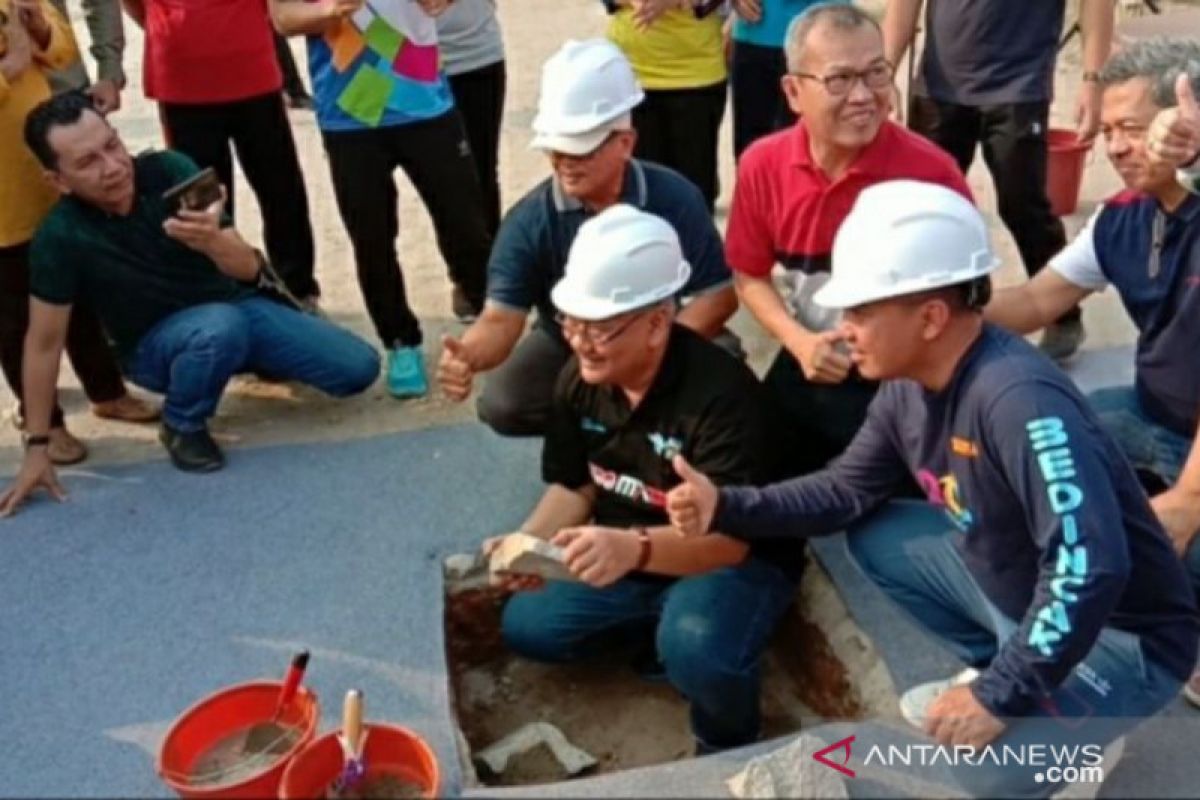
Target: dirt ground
255,413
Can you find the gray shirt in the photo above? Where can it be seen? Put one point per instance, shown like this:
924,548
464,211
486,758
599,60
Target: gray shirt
469,36
103,18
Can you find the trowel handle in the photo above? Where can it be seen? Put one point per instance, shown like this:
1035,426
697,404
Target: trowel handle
291,681
352,720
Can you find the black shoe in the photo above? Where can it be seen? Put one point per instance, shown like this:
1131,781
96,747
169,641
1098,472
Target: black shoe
1062,339
464,310
192,452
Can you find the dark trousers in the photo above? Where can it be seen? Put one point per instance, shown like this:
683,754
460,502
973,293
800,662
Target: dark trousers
680,128
437,159
259,130
1013,138
819,419
759,105
517,395
479,96
293,86
86,345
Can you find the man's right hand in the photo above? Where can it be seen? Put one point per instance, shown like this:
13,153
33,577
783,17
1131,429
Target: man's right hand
36,471
820,357
1174,136
454,372
508,581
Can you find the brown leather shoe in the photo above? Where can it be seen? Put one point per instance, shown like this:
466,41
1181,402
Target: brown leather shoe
65,449
127,408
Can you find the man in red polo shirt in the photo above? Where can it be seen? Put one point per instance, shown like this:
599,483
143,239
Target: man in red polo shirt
793,190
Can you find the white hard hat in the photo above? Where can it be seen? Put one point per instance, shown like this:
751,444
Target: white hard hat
622,259
586,87
903,237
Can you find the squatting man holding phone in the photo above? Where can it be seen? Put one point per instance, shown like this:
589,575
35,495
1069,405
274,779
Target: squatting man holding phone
176,295
639,388
1037,560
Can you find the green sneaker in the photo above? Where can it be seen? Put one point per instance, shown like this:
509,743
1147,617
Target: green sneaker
406,372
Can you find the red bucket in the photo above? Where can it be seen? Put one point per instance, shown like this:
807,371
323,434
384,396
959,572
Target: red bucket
389,750
222,715
1065,157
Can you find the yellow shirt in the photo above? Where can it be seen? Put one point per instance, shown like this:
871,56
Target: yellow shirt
25,197
677,51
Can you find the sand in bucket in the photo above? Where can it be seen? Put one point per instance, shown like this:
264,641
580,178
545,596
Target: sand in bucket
386,784
240,756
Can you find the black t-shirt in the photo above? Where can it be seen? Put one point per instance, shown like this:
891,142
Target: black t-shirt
703,403
126,269
990,52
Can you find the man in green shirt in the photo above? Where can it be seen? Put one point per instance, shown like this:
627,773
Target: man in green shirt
175,293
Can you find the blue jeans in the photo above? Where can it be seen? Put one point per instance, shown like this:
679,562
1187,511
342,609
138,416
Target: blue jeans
907,549
1149,446
192,354
709,632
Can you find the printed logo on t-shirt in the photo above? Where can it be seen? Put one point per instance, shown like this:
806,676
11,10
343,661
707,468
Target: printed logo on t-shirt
1049,439
963,447
665,446
943,492
627,486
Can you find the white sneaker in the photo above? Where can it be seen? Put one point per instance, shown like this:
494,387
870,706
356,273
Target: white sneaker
914,704
1191,689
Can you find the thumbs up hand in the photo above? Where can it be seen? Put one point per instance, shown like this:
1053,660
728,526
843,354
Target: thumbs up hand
692,504
1174,136
454,372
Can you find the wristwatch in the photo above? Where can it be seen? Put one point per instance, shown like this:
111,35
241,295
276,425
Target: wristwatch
1090,76
40,440
644,553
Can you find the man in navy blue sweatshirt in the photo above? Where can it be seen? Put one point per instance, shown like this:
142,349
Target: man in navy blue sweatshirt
1037,559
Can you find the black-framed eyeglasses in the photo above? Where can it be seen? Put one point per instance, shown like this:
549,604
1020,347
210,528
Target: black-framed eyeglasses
592,332
877,76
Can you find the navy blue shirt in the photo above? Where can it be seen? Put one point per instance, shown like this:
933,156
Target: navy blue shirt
990,52
1153,260
1053,524
532,244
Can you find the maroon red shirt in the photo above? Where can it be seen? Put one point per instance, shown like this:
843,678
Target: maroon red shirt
787,211
209,51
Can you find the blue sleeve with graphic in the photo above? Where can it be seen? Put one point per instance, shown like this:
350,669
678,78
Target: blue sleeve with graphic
1053,458
861,479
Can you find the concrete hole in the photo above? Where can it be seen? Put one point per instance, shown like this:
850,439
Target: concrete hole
820,666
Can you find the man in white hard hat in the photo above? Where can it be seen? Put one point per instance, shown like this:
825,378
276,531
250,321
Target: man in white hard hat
793,190
1037,559
1145,241
640,389
583,124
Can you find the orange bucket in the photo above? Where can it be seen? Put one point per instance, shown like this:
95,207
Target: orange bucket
223,715
1065,157
389,750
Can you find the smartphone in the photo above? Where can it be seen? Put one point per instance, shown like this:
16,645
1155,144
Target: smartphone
195,194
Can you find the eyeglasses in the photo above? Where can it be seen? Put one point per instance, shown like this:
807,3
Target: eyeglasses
590,333
876,76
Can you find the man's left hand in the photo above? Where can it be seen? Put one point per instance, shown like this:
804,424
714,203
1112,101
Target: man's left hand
34,19
957,718
106,96
1174,136
197,229
1179,513
599,556
1087,111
